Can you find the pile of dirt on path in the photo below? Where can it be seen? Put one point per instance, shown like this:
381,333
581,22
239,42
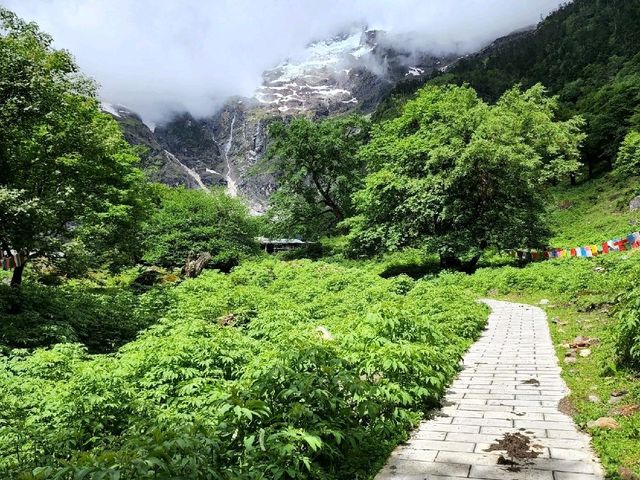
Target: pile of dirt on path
517,447
531,381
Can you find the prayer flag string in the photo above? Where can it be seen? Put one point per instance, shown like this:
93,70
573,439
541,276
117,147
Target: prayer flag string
630,242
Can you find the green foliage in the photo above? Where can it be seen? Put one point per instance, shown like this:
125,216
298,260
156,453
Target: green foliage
592,211
295,370
460,175
629,329
190,222
101,318
586,52
628,161
68,176
318,170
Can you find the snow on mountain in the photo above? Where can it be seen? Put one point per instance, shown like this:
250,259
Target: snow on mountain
331,73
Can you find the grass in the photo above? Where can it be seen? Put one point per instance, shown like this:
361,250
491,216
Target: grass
593,211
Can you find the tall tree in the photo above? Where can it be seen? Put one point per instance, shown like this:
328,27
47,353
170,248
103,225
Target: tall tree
66,173
457,175
628,162
192,222
318,170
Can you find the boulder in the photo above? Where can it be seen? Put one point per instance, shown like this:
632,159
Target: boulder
626,474
626,410
324,333
634,204
606,423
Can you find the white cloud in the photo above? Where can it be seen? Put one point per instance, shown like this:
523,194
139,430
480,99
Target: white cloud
157,56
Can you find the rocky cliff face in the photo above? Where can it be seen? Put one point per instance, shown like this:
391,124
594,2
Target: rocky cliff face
348,73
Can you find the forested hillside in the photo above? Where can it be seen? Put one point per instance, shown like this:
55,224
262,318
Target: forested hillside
144,334
586,53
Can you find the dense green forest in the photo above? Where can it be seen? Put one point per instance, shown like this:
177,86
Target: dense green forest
312,364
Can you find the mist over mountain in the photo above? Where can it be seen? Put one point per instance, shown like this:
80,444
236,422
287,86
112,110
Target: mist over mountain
159,58
346,73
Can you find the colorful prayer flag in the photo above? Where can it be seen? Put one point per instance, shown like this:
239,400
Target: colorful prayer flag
621,244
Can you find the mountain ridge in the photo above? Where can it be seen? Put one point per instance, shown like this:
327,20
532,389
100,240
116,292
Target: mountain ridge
349,73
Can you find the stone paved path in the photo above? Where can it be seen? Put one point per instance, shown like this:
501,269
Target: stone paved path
488,399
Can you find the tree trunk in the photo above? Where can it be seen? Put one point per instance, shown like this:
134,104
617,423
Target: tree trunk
327,200
193,268
471,265
16,279
450,262
572,179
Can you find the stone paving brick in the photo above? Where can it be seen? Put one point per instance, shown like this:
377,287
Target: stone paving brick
400,468
456,428
575,476
489,399
496,473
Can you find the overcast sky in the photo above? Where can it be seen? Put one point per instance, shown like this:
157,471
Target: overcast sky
155,56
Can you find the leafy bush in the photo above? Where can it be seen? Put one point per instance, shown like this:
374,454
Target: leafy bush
101,318
628,161
279,370
191,222
629,330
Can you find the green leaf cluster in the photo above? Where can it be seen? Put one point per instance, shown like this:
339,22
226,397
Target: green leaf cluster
318,168
628,161
67,174
186,223
299,370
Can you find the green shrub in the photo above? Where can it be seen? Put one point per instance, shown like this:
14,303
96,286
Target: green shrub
290,370
628,161
100,318
629,330
191,222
